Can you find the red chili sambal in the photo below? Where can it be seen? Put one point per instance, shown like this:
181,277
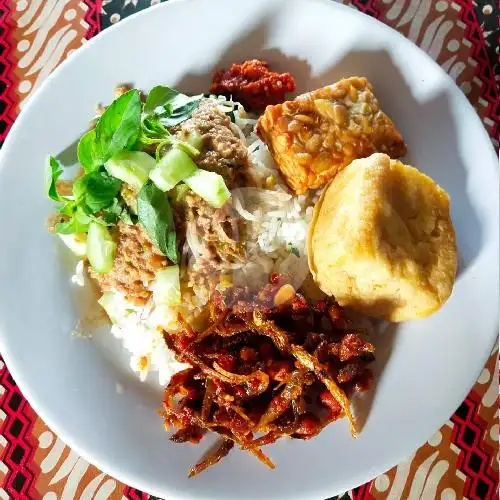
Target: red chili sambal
253,84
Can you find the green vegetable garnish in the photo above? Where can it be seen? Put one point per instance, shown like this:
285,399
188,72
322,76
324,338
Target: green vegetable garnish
117,130
165,107
166,287
87,152
111,154
119,126
210,186
76,243
101,248
173,168
175,116
95,191
118,210
153,131
155,216
78,223
194,138
159,96
132,167
53,171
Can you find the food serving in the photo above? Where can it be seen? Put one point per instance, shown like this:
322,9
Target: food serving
316,135
294,364
190,214
398,260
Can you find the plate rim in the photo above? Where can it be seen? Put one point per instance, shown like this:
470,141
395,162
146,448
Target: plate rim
37,402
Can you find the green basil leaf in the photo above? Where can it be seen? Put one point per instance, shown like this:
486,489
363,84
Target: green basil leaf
69,227
159,96
95,191
127,217
155,216
171,118
153,128
118,210
88,156
53,171
79,223
119,127
67,208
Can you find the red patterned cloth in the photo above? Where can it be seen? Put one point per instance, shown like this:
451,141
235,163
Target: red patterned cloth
461,459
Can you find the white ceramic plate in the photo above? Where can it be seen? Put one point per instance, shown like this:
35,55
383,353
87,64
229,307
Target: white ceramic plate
425,367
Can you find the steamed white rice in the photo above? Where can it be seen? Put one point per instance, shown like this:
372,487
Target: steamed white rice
276,230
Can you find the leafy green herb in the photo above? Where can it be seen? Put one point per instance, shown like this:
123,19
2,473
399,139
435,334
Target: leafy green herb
127,217
118,211
95,191
293,249
88,155
79,223
53,171
160,95
152,130
165,107
67,208
179,114
155,216
119,127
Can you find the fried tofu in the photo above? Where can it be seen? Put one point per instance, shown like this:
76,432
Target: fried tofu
316,135
382,240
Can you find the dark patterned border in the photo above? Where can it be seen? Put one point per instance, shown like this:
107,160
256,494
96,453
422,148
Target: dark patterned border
484,68
93,17
133,494
488,12
17,428
474,459
468,432
7,96
369,7
116,10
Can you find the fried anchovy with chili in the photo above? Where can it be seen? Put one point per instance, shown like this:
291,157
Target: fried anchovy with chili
213,456
262,371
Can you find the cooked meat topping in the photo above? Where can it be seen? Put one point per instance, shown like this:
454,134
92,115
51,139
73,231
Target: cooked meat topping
224,152
214,238
135,264
217,230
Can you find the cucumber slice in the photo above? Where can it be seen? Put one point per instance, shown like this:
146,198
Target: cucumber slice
173,168
131,167
101,248
195,139
167,287
191,142
109,303
210,186
76,242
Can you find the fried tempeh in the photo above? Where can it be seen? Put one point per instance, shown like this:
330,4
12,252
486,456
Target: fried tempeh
316,135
